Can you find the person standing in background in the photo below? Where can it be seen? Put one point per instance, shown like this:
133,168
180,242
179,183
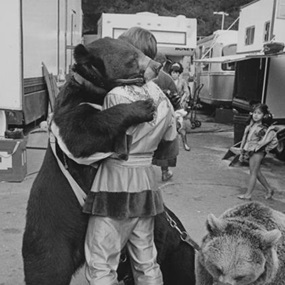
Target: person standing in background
166,154
258,139
183,92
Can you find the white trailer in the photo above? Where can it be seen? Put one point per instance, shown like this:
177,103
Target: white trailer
32,32
176,36
259,76
217,78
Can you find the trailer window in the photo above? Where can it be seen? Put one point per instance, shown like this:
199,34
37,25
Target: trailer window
208,53
229,50
266,31
281,10
249,35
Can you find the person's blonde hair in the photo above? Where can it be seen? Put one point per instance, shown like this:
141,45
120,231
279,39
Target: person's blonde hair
142,39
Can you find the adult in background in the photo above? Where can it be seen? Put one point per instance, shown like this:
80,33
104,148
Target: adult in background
166,154
183,92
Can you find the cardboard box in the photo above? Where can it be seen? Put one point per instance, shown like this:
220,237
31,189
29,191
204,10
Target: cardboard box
13,160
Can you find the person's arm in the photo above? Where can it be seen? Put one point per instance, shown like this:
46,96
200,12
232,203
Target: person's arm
244,137
186,92
186,88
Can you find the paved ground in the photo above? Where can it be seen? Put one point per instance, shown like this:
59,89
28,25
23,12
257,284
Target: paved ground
203,183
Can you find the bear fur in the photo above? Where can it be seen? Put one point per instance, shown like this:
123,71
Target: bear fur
53,241
245,245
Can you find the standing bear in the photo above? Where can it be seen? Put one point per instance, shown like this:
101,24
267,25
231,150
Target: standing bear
245,246
53,241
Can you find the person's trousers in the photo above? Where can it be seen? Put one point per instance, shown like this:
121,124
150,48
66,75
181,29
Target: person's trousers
106,237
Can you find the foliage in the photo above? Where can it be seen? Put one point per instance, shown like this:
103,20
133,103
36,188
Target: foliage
202,10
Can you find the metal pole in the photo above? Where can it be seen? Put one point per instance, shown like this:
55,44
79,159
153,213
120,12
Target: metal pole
58,37
71,37
223,17
264,80
65,40
273,21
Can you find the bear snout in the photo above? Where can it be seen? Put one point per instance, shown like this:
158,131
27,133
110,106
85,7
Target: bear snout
152,70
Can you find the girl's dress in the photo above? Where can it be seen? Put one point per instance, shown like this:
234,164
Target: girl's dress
125,189
257,138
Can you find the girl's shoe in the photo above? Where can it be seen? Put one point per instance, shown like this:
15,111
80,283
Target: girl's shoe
166,175
184,141
186,147
243,197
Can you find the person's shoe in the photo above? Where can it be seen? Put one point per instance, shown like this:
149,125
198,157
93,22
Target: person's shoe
166,175
184,141
269,195
186,147
243,197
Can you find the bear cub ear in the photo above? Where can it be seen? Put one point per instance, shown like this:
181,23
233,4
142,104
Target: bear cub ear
271,238
81,54
214,224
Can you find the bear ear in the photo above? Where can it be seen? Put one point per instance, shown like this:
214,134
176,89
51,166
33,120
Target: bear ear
271,238
80,54
214,224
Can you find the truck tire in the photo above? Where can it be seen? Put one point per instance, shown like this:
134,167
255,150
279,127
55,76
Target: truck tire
280,150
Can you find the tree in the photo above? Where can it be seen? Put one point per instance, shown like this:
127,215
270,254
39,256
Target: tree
202,10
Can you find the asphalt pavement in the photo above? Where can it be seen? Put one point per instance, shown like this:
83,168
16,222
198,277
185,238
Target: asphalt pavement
203,183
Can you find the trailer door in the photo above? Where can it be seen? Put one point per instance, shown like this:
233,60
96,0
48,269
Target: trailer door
10,56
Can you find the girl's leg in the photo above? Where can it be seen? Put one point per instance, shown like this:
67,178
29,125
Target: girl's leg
143,253
104,241
265,184
254,167
184,139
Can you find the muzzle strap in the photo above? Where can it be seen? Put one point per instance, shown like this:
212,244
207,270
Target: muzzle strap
132,81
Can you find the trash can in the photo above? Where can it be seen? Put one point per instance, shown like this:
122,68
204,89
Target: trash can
240,121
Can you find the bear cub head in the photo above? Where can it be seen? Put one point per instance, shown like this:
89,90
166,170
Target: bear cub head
239,252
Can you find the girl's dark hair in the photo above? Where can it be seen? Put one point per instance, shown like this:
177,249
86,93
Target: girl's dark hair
176,66
267,119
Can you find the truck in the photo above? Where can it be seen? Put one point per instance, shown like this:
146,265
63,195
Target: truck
259,65
34,32
260,76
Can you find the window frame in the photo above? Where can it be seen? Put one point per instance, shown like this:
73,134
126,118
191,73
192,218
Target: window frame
249,35
266,31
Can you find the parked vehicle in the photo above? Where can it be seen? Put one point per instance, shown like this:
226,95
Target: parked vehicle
218,78
176,36
259,72
34,32
261,77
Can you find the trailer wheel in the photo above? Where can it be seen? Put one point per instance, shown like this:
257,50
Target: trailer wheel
280,150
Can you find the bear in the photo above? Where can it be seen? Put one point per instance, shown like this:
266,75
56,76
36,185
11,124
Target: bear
53,240
245,245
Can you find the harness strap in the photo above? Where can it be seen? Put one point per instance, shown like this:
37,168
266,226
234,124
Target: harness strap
183,234
139,81
79,193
